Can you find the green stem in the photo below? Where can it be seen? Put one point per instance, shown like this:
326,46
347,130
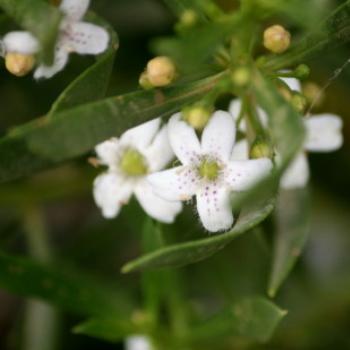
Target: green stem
41,320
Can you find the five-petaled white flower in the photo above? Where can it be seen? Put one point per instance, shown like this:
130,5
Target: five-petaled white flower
207,171
323,134
74,36
138,342
138,152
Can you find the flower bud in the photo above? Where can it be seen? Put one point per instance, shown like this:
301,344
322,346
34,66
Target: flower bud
276,39
197,116
241,76
299,102
313,93
160,71
260,149
144,82
302,72
19,64
188,18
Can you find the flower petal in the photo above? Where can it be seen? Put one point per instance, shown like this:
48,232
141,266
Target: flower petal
323,133
159,153
20,42
183,139
176,184
86,39
74,9
141,136
107,151
241,175
214,207
297,174
219,135
110,193
293,84
240,150
60,61
138,342
155,206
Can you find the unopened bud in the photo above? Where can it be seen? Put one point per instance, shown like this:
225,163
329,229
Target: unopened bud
276,39
160,71
197,116
302,72
313,93
144,82
188,18
241,76
299,102
260,149
19,64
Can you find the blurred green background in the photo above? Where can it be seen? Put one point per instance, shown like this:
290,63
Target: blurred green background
317,294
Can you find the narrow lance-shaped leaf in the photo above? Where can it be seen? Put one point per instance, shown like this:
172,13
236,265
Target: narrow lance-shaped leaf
292,221
45,142
92,84
69,290
252,318
194,251
38,17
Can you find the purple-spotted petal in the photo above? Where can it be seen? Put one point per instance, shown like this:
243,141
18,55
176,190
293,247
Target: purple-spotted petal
155,206
176,184
86,39
111,192
242,175
324,133
74,10
183,140
214,207
219,135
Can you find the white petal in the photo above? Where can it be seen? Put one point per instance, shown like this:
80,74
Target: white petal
219,135
183,139
176,184
60,61
137,342
323,133
241,175
235,108
110,193
107,151
240,150
297,174
74,9
86,39
155,206
293,84
141,136
214,208
159,153
21,42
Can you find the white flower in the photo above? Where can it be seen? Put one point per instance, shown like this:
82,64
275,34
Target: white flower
138,342
19,42
208,171
138,152
323,134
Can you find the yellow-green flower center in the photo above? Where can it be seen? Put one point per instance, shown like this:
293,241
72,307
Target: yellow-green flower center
209,169
133,163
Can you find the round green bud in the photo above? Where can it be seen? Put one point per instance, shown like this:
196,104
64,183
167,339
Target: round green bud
197,116
241,76
299,102
260,149
302,71
277,39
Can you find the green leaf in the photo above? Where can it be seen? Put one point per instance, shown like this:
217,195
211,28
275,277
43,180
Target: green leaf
333,31
73,132
194,251
109,329
69,290
254,318
38,17
292,216
92,84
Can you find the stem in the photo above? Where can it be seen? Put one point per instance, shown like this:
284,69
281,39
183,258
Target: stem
40,320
